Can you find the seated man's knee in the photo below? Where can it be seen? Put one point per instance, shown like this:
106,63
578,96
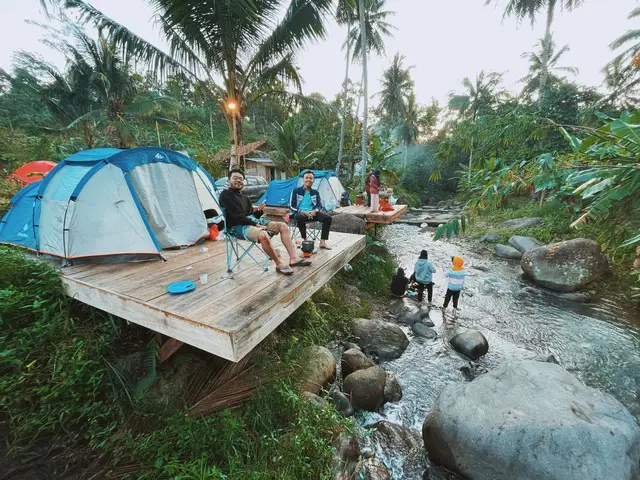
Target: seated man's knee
279,227
263,237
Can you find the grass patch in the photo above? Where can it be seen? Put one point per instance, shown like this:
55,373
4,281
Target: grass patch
86,385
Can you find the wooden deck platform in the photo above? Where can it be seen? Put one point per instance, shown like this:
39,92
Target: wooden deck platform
229,315
377,218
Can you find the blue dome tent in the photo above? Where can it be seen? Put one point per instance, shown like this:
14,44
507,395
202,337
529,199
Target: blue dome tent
107,202
326,182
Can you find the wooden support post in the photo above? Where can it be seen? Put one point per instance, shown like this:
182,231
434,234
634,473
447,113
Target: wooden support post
169,347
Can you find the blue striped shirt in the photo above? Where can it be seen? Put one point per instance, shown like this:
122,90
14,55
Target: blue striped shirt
455,279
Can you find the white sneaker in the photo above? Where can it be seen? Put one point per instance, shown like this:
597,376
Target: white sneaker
455,312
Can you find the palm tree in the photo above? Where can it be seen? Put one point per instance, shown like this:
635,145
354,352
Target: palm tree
96,89
480,98
68,96
622,73
408,125
289,142
630,36
345,14
532,80
522,9
242,50
624,88
368,37
397,85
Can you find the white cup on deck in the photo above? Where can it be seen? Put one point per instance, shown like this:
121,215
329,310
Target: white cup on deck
204,278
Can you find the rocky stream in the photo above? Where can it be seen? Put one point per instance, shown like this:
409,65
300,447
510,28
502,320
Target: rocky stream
593,336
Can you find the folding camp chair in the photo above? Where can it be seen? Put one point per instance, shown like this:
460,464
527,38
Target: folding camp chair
240,249
313,229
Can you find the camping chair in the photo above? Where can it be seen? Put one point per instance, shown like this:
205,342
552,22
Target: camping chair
313,229
238,249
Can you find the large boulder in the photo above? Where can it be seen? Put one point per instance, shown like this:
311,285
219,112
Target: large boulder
565,266
470,343
506,251
320,369
401,306
385,340
411,317
353,360
351,297
366,388
524,222
524,244
347,223
530,420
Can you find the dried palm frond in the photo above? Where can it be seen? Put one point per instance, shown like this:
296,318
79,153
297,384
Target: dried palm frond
223,386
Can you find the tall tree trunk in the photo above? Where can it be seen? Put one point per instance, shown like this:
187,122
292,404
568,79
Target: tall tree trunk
546,49
470,161
87,132
344,99
363,36
357,116
406,150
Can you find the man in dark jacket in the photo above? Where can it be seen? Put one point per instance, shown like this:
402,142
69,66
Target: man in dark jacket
244,224
306,205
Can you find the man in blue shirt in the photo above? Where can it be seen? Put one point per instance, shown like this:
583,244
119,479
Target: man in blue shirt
306,206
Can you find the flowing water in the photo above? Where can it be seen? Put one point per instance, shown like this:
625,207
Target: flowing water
599,342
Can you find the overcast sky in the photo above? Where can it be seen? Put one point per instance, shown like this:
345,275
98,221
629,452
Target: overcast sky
445,40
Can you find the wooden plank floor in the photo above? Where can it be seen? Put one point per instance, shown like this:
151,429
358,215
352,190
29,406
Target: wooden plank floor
229,315
378,218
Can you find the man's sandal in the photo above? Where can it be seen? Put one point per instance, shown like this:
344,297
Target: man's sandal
301,263
285,270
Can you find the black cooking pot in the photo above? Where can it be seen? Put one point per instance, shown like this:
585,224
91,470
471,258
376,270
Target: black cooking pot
308,246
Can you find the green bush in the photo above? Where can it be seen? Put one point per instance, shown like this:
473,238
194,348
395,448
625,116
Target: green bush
58,387
371,273
52,380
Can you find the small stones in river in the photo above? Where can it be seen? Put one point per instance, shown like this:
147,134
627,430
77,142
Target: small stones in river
421,330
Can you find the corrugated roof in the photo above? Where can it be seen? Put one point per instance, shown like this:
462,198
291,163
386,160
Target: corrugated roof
245,150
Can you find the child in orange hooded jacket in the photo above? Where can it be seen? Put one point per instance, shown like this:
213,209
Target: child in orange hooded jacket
455,278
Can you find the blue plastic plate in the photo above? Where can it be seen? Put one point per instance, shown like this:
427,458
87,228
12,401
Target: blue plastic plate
181,287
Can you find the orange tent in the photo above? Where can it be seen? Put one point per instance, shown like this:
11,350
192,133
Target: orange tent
33,171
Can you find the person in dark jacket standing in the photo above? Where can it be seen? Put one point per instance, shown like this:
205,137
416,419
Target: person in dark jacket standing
306,205
244,224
